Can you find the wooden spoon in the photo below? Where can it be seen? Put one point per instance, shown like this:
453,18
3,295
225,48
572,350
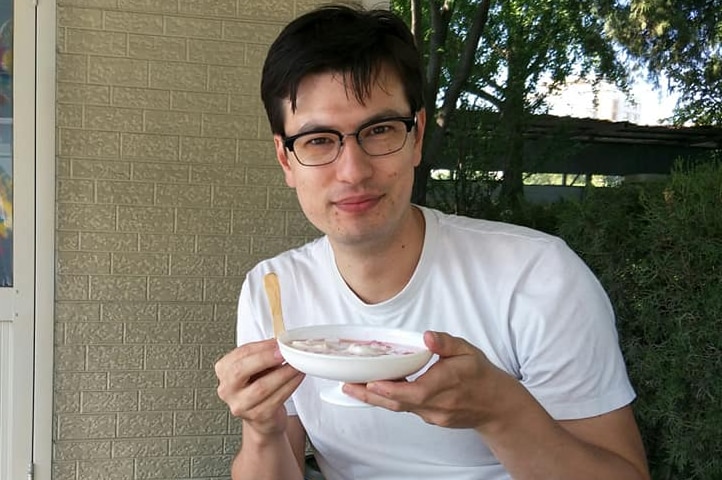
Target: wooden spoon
273,292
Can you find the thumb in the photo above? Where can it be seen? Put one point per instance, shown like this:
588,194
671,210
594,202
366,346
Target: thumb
445,345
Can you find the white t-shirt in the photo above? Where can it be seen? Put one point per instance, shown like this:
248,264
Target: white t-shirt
521,296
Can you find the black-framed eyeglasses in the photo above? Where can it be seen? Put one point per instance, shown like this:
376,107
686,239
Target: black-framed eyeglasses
376,138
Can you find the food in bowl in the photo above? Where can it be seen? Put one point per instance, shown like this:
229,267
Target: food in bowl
353,348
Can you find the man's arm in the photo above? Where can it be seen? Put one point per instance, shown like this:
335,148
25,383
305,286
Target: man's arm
279,457
532,445
464,390
615,431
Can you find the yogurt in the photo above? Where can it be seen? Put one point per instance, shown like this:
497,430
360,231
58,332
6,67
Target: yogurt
352,348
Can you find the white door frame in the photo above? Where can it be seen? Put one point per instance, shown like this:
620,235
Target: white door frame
44,238
26,343
46,39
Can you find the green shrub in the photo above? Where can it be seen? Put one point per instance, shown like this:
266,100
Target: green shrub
657,249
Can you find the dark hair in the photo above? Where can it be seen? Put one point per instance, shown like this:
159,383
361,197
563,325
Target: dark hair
352,41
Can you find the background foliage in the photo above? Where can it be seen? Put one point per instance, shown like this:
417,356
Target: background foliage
680,41
657,249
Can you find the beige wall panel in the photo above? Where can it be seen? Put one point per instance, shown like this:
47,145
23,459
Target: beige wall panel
68,16
139,448
100,43
141,97
72,68
209,150
281,11
79,94
167,243
133,22
157,48
153,6
83,450
193,27
208,8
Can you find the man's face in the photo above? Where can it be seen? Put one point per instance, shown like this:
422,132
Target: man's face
358,199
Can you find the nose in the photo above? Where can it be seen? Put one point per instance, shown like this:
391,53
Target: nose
353,164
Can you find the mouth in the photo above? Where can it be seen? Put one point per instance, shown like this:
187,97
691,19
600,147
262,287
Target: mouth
357,203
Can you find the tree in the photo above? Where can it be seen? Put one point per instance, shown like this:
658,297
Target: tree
484,55
681,41
431,25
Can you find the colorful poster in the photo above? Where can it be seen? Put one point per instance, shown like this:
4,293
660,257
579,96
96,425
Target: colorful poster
6,218
6,145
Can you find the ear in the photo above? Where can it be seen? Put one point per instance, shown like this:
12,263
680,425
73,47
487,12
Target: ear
419,135
282,155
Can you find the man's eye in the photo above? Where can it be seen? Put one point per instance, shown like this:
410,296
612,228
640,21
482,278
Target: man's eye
318,141
380,129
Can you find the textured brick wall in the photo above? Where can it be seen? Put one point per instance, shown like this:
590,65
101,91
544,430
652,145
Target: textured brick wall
168,192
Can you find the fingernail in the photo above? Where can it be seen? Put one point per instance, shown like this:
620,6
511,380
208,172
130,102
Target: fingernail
277,354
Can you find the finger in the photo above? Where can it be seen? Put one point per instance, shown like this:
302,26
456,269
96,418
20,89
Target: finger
361,392
445,345
265,386
249,396
422,390
241,364
242,351
392,395
242,367
271,391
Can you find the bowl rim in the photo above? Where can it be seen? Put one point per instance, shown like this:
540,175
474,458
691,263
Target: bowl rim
423,350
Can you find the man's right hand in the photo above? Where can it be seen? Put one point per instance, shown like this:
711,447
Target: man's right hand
254,382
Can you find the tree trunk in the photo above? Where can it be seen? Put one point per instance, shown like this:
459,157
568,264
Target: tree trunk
436,124
512,124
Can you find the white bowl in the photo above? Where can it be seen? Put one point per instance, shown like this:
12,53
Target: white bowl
355,369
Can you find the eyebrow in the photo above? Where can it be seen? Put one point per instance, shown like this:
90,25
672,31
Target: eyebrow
319,127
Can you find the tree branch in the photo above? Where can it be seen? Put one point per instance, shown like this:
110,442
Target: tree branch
440,18
485,95
467,59
416,27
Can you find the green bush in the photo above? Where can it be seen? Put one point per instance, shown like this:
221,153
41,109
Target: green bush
657,249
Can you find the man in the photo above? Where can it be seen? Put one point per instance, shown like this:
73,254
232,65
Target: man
529,381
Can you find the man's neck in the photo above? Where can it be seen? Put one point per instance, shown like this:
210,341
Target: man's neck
378,273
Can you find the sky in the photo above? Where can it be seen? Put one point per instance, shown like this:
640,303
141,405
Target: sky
656,105
648,105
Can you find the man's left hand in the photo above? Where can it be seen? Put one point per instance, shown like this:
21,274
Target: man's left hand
461,390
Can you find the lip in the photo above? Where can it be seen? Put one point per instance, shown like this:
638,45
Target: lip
357,203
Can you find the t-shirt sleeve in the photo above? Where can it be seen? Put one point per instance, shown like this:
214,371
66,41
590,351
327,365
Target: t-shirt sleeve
565,339
253,322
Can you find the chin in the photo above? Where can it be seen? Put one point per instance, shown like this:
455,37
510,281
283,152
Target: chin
359,235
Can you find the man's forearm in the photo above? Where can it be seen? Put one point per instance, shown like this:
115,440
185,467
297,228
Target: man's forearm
532,446
265,458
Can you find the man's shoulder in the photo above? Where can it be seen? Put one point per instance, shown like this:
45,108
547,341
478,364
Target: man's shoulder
475,229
